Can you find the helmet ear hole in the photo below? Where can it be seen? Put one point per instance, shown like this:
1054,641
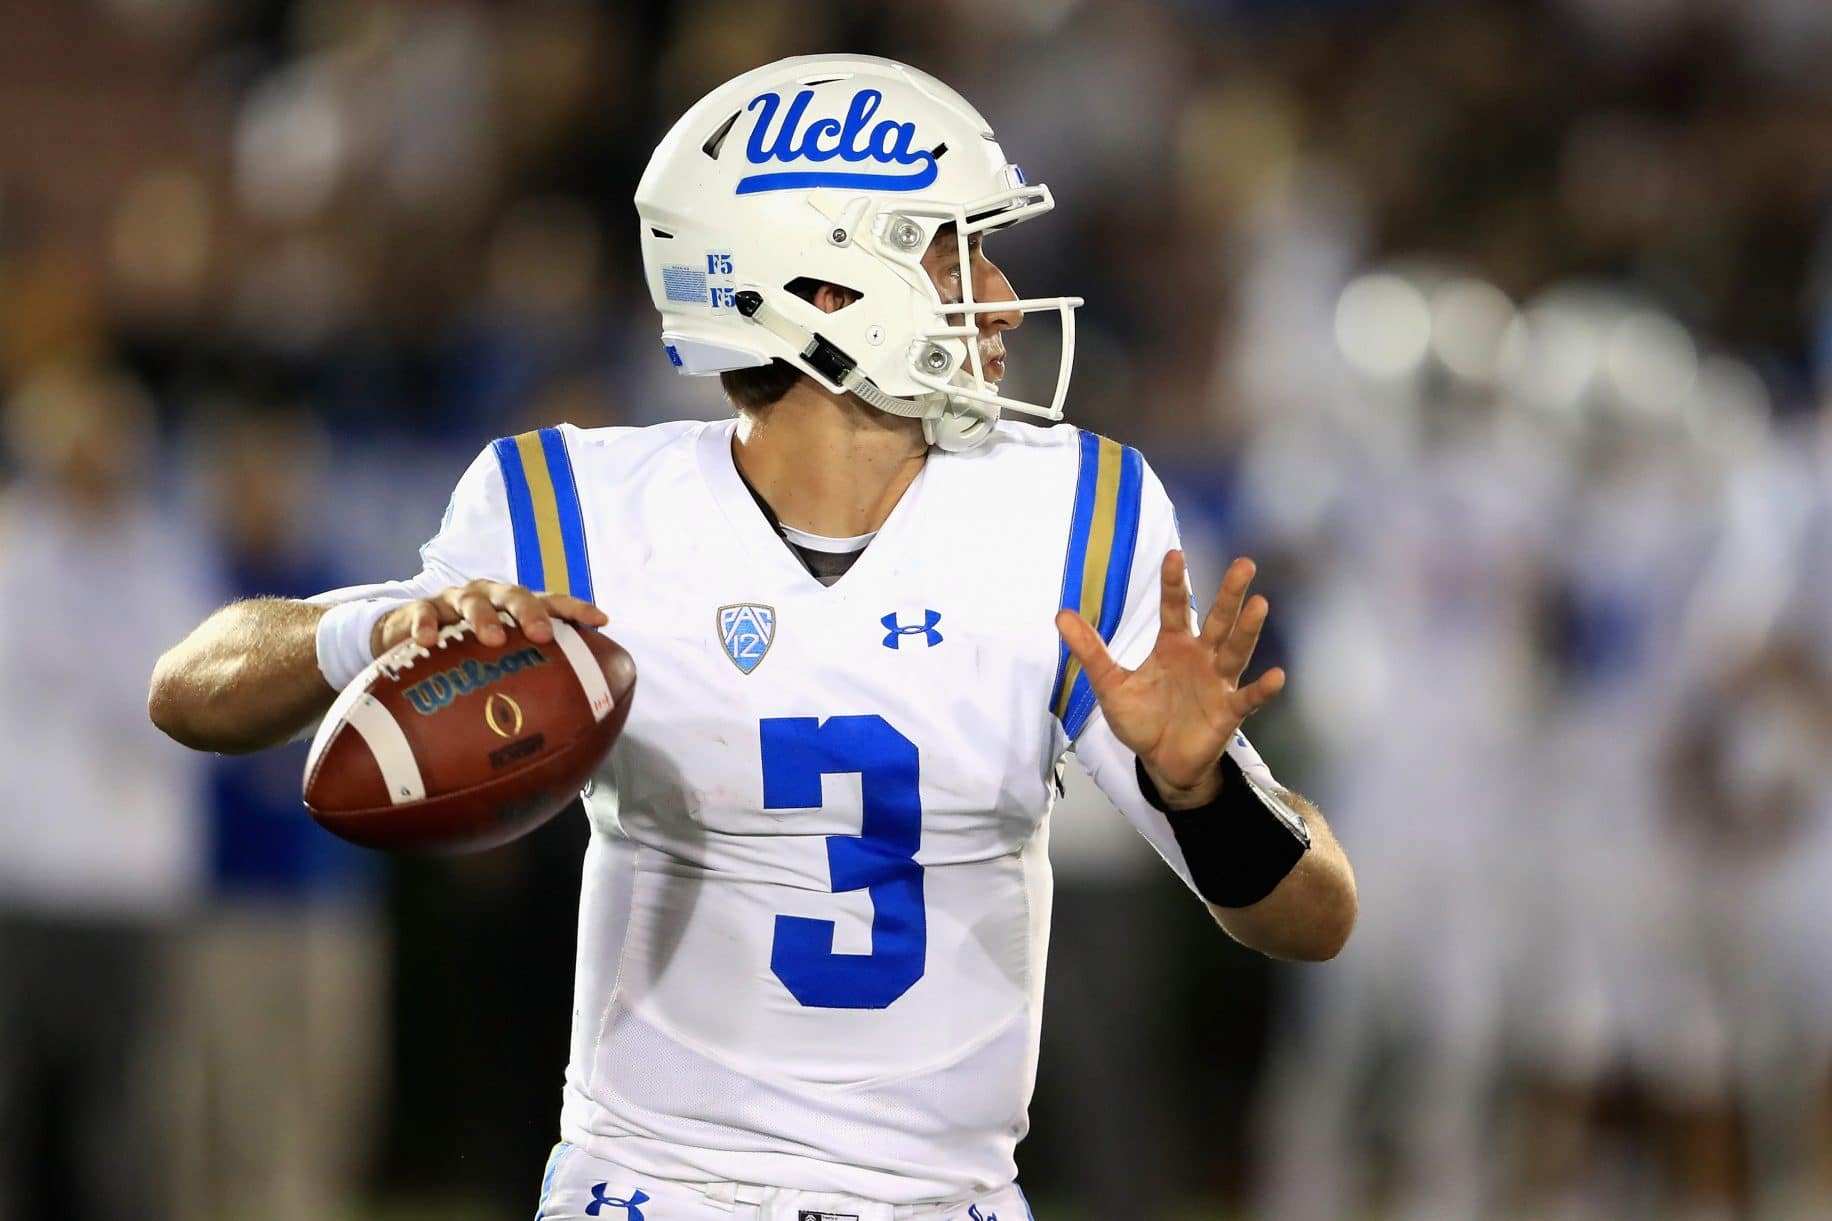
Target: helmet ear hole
806,287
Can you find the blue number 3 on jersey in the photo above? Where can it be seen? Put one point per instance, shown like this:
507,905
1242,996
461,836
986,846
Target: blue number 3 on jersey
881,860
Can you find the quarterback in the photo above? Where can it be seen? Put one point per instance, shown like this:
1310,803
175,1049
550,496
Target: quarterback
872,618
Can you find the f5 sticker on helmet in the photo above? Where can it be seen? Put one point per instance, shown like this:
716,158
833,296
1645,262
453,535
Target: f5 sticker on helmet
889,144
721,289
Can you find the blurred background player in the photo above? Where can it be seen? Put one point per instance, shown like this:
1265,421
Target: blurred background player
1424,556
1636,532
1748,801
278,1065
101,839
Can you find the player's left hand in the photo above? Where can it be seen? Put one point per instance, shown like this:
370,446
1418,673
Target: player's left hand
1183,705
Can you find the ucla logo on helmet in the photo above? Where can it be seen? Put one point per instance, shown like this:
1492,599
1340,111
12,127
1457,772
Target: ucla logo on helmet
853,139
746,630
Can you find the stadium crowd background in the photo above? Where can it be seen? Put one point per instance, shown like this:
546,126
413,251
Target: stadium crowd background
1499,332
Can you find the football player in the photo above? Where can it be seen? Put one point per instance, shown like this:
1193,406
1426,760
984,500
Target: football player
872,618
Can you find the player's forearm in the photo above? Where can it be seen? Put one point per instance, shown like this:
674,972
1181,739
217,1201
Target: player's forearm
1309,915
245,679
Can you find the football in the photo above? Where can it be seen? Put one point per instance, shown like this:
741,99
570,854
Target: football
465,746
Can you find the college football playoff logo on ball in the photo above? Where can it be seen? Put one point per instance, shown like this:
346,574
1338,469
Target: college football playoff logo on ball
503,715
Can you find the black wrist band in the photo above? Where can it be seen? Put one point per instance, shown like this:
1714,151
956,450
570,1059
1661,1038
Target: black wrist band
1238,847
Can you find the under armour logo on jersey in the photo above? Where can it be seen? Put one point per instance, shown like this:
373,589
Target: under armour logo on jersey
895,632
746,630
973,1210
600,1202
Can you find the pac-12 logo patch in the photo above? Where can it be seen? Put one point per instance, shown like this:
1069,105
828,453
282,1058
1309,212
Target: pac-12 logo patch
808,1214
746,630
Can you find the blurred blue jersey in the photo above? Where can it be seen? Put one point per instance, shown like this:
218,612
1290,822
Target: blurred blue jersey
262,844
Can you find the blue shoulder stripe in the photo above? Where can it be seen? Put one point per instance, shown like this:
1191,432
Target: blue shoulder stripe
572,517
1125,540
1103,534
521,515
544,513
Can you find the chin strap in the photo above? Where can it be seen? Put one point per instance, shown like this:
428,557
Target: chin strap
958,424
961,425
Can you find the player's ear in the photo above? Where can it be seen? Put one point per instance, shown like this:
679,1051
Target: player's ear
825,297
831,298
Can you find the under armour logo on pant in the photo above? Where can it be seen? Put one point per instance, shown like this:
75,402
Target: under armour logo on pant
600,1200
895,632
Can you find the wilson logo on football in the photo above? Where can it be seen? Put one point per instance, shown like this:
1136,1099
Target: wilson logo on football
431,694
889,143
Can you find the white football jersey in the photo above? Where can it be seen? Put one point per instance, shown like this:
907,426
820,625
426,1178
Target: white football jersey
816,899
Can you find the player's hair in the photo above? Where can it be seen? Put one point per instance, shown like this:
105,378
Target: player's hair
752,389
756,388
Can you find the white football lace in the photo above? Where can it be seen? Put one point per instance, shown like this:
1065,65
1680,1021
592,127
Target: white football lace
401,657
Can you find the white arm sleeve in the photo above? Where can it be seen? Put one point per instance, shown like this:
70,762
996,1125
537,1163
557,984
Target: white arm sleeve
1108,760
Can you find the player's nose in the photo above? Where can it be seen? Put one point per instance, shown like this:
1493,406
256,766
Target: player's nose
991,287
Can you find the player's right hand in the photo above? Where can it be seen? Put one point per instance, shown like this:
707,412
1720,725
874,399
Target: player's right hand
482,603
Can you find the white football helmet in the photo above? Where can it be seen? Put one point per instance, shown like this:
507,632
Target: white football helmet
838,169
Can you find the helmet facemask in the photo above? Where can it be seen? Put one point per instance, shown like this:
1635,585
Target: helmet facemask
941,378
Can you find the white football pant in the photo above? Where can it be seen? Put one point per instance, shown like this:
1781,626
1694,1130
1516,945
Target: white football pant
580,1187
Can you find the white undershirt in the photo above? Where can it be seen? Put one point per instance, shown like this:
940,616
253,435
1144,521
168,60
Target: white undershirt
832,546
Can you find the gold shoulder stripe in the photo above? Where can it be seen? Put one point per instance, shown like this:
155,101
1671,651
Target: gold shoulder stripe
1097,557
546,511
